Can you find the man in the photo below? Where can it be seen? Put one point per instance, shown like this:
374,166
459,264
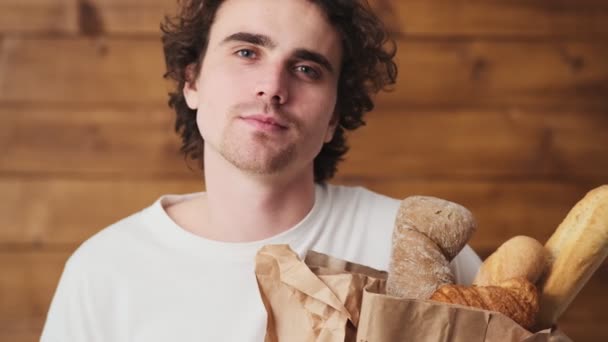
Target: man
266,90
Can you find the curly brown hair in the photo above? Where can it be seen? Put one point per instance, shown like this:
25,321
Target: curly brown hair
367,67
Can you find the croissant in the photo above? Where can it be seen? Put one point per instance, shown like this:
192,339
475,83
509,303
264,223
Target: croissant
516,298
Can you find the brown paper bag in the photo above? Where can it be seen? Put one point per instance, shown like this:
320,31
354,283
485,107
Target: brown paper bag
328,299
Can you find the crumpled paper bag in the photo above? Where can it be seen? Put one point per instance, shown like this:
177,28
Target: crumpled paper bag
328,299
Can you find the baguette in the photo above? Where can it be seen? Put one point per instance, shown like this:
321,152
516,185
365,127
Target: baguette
576,250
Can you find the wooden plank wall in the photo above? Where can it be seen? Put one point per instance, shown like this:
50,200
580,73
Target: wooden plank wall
501,106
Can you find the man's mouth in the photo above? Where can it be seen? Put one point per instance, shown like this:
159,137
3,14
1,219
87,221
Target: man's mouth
266,122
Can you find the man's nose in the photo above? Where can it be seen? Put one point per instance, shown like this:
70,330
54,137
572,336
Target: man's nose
273,85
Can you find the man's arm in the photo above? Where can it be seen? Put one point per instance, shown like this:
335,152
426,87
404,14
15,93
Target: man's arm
70,316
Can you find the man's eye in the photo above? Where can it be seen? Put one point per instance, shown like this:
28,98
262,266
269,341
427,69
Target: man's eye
308,71
246,53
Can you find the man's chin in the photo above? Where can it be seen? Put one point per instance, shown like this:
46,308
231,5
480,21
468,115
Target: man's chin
266,165
259,155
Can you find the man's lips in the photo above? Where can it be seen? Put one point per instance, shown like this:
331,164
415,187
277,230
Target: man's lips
268,121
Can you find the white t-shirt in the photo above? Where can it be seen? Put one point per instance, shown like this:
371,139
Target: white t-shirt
145,279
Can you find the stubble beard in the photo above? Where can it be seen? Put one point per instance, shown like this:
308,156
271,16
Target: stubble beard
256,153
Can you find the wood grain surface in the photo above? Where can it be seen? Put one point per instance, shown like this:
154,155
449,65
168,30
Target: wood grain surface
500,105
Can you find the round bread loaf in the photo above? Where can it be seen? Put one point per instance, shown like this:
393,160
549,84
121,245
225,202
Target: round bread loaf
520,256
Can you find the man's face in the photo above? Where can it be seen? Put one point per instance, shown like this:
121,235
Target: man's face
266,92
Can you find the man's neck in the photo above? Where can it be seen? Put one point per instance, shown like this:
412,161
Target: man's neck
239,207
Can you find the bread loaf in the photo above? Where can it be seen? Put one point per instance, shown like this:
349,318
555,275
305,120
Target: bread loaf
428,234
516,298
418,268
448,224
576,250
519,257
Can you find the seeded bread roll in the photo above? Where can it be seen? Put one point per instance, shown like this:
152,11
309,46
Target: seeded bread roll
577,248
519,257
428,234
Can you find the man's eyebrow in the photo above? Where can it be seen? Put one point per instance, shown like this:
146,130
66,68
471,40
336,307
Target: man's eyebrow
265,41
252,38
316,57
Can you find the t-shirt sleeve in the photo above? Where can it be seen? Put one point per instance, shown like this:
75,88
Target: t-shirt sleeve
70,316
465,266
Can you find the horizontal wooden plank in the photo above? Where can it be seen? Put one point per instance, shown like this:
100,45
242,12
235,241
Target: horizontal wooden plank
66,212
494,17
24,336
29,280
68,70
433,73
55,212
401,145
125,141
89,17
27,286
38,16
127,16
555,75
140,142
417,17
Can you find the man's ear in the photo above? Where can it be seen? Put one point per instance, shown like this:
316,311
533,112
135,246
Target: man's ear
331,128
190,91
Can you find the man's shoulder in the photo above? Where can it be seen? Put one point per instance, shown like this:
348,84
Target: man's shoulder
110,243
358,192
358,225
360,196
